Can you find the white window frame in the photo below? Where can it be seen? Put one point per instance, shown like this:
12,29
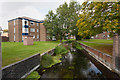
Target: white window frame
32,30
33,36
37,24
37,30
32,23
104,36
37,36
14,22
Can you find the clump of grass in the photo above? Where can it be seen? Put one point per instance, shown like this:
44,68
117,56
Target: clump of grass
60,50
33,76
46,60
76,45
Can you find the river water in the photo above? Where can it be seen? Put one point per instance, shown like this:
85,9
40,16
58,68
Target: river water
74,65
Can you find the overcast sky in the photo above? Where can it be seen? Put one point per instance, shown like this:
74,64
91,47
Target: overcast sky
37,9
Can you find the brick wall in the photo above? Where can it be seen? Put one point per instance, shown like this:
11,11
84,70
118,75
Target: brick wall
103,36
11,31
35,33
42,32
19,21
18,30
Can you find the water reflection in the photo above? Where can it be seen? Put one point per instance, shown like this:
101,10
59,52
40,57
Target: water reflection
75,65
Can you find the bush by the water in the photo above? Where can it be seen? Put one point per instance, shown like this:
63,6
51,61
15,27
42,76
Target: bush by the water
76,45
69,41
60,50
47,61
33,76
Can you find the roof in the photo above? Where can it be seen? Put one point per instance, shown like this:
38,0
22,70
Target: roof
28,18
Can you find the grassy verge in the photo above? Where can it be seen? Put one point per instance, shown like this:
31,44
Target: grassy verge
99,41
16,51
102,45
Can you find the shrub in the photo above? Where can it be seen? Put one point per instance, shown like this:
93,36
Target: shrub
33,76
60,50
47,61
69,41
76,45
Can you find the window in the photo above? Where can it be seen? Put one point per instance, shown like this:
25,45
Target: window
33,36
32,23
96,35
108,36
37,24
37,36
37,30
14,22
103,35
25,22
32,29
26,30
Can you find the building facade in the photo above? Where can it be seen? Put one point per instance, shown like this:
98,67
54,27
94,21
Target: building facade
23,26
104,35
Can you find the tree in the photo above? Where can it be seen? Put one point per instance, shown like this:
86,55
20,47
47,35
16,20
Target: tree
97,17
50,23
5,30
63,23
74,12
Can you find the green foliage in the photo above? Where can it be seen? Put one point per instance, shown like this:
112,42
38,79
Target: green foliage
76,45
64,21
60,50
69,41
97,17
5,30
33,76
46,61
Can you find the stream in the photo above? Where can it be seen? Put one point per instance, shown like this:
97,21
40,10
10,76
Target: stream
74,65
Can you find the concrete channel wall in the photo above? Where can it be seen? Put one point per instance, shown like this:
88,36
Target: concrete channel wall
24,67
21,68
103,58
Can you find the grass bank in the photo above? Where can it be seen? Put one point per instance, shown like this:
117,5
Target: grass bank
105,46
16,51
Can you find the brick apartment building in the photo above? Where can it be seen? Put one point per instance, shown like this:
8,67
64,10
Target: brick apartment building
104,35
23,26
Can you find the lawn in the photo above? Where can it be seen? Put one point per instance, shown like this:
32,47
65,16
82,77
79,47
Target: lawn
105,46
16,51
